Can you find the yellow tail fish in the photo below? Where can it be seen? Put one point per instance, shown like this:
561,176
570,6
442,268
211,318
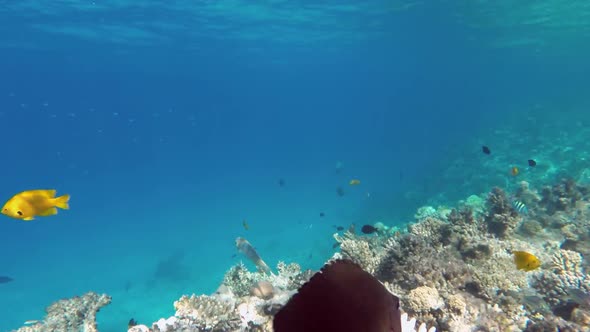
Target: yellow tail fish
32,203
526,261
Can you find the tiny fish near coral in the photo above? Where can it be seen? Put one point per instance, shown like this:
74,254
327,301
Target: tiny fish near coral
132,322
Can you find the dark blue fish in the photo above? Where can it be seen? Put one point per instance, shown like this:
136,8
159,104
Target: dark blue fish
5,279
368,229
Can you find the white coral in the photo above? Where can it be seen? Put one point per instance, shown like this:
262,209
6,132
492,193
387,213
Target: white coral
165,325
409,325
567,262
139,328
249,314
425,212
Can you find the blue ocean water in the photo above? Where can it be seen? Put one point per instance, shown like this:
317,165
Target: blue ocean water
170,123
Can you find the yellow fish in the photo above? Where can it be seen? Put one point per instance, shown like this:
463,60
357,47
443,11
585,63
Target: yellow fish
32,203
526,261
354,182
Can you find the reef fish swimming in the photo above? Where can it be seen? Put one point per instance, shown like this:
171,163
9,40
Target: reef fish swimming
368,229
520,207
354,182
32,203
248,250
5,279
526,261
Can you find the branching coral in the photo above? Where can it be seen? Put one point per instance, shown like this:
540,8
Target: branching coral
566,273
411,261
207,312
562,196
290,276
239,280
497,272
501,219
358,249
409,325
463,226
429,228
567,262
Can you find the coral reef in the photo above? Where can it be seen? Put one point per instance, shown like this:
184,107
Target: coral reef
562,196
75,314
361,250
501,219
453,270
424,299
458,274
425,212
244,301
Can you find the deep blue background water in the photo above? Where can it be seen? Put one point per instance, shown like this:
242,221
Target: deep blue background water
168,139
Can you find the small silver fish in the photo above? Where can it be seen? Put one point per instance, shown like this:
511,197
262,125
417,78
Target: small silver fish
579,296
536,303
248,250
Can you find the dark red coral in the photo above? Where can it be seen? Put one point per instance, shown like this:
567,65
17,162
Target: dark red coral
341,297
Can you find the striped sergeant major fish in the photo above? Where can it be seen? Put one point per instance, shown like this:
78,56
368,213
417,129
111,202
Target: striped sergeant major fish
520,207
